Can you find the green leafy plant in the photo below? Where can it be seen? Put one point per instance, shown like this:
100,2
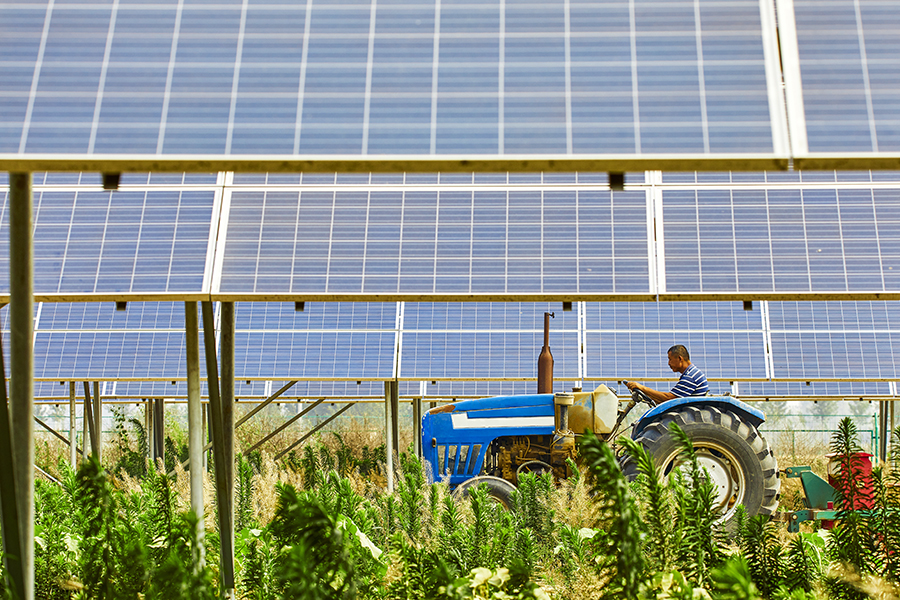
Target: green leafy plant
113,559
620,561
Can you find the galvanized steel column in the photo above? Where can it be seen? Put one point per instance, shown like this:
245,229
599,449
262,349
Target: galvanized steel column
98,419
226,355
417,426
21,325
73,429
195,416
9,512
388,435
224,500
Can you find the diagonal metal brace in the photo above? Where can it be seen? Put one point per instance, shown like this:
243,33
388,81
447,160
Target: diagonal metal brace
315,429
284,426
64,439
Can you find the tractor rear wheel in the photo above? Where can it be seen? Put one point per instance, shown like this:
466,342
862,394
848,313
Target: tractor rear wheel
737,459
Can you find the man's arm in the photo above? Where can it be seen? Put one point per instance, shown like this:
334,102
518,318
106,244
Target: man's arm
655,395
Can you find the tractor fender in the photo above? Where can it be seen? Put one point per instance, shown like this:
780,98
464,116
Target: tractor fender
747,413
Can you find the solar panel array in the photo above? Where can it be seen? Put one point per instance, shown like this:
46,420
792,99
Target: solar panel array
439,78
458,349
387,77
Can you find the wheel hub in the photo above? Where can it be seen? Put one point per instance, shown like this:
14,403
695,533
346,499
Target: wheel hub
720,475
724,473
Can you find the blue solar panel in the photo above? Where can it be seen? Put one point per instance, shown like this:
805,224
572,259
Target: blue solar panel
109,355
506,316
834,339
815,389
474,354
850,75
424,78
782,240
834,316
103,316
87,242
837,354
274,316
642,354
436,242
712,316
295,355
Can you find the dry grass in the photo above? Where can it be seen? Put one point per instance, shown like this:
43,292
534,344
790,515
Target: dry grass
573,505
798,449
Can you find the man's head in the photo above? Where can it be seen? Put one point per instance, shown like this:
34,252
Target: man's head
679,359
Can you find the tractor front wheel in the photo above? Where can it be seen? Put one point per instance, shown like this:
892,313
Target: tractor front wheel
500,490
737,459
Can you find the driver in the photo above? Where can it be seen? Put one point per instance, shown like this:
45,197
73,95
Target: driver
692,382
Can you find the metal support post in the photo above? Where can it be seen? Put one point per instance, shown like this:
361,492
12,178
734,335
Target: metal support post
395,417
148,427
388,437
893,404
91,422
89,419
226,355
195,417
98,419
207,438
223,485
21,334
9,511
85,430
159,429
73,430
417,426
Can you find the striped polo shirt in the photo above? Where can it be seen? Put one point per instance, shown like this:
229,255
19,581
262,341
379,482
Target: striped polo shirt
692,383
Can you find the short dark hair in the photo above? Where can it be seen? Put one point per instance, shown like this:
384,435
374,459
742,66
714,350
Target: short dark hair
679,350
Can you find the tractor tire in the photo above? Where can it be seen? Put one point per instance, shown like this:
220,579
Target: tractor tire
498,489
736,457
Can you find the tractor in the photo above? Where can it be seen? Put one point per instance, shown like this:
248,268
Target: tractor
493,441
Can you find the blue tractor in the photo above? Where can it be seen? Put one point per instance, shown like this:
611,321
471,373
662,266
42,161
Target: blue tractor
495,440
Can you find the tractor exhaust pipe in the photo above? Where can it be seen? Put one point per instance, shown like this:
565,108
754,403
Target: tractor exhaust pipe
545,360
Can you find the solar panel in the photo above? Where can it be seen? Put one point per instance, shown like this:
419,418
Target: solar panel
834,340
487,316
617,355
813,389
275,316
848,62
354,78
90,242
436,242
476,354
788,240
296,355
